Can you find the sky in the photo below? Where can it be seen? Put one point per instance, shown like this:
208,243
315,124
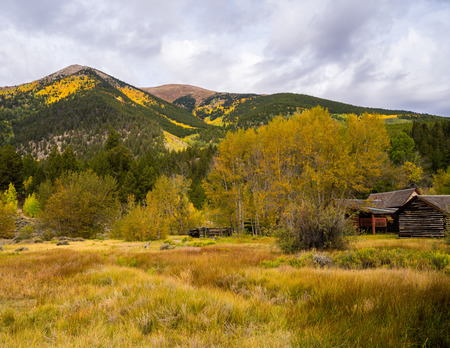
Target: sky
377,53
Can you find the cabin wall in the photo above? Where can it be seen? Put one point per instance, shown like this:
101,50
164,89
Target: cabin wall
419,219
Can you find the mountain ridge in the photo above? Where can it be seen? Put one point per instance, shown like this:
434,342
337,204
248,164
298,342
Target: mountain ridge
83,102
79,102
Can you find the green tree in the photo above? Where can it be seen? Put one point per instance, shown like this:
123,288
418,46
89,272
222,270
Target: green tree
69,162
10,168
402,149
113,139
31,206
54,166
44,191
82,205
441,182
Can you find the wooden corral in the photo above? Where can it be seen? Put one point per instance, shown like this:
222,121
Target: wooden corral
424,216
208,232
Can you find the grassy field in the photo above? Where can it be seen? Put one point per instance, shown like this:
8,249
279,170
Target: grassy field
237,292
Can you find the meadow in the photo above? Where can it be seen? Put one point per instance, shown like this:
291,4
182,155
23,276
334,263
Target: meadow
232,292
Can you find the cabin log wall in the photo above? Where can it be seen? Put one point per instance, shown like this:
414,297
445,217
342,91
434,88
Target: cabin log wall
419,219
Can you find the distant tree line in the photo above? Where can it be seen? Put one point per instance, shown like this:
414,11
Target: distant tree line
284,176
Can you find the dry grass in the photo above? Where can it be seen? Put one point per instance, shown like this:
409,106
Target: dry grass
110,293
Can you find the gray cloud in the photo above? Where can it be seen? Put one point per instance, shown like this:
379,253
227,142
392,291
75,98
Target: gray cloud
374,53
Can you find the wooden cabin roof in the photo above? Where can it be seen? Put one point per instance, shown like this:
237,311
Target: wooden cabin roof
441,202
367,206
392,199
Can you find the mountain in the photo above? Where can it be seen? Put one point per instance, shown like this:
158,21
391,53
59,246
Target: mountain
205,104
172,92
249,110
77,105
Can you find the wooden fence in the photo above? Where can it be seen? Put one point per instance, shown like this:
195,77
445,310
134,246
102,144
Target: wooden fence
209,232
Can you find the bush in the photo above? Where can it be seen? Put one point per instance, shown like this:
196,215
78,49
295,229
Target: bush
82,205
447,233
138,224
31,207
186,239
201,243
166,246
316,227
26,232
7,219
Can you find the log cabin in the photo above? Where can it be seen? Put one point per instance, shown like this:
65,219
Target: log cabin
377,212
424,216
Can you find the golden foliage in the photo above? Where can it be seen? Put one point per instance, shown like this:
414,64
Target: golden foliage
7,219
138,96
146,100
167,210
262,175
7,92
173,142
64,87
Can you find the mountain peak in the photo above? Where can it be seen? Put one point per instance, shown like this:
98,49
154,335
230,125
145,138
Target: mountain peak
76,68
70,70
172,92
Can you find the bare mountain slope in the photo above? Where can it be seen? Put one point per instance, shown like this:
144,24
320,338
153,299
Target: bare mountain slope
172,92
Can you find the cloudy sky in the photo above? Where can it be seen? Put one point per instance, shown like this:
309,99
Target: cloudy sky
380,53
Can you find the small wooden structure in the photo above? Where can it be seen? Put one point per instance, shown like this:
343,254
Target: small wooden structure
376,219
209,232
377,213
424,216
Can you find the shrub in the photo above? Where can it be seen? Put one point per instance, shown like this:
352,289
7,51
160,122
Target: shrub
186,239
201,243
165,246
447,232
26,232
31,207
138,224
318,227
7,219
82,205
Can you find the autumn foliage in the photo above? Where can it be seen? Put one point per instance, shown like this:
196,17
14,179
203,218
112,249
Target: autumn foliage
167,210
8,212
82,205
264,176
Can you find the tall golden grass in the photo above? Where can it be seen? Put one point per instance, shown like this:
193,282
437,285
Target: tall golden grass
104,294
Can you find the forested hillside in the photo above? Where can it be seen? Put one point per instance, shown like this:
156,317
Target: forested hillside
253,110
78,105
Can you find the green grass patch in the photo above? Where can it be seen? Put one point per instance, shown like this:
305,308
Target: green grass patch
369,258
